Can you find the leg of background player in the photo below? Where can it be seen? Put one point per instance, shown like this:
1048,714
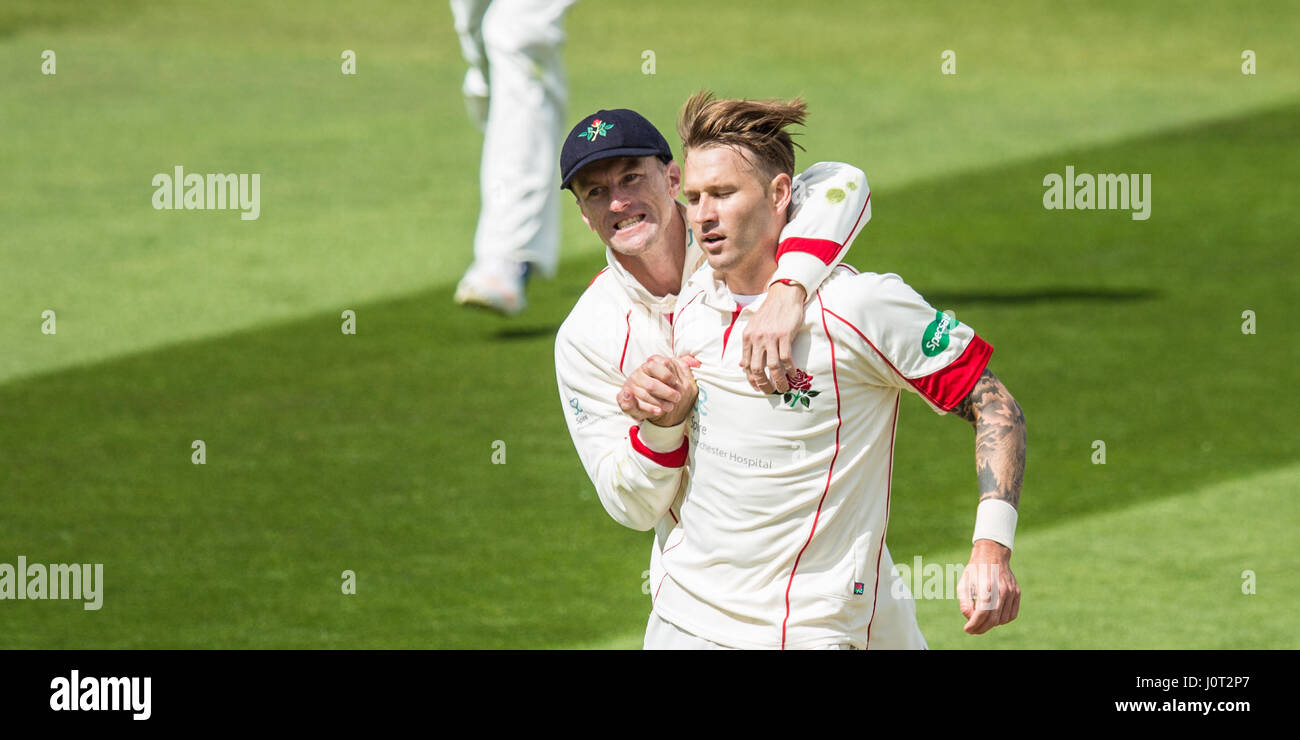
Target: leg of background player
519,224
467,15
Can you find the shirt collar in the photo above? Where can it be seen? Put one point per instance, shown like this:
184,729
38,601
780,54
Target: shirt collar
716,292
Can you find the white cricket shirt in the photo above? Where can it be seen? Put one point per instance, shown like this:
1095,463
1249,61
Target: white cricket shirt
779,535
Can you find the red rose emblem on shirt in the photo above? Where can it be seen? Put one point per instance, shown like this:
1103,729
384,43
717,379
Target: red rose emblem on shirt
800,389
800,381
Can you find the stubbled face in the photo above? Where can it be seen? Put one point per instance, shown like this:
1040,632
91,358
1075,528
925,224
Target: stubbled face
731,208
628,201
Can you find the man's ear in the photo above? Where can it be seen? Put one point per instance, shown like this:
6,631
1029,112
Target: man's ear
781,191
674,174
587,221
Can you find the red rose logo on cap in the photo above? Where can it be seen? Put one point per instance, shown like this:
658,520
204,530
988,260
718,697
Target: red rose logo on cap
597,128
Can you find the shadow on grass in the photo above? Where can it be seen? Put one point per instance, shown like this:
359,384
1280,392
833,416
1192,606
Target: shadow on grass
1043,295
526,332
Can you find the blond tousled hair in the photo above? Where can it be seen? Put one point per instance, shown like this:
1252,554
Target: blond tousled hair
755,127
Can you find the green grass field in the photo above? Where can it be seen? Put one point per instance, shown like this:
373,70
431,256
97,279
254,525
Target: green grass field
373,453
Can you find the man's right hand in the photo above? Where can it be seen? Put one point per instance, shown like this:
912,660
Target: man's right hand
662,390
987,592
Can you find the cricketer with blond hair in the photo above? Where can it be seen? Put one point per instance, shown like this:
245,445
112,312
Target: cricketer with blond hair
779,538
623,177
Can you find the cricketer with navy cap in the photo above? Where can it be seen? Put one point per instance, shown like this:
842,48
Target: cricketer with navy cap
611,133
625,181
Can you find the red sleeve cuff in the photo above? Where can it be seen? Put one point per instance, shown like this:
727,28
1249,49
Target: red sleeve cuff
674,459
823,249
947,387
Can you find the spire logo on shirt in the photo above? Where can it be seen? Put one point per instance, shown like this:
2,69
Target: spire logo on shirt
935,338
580,416
800,389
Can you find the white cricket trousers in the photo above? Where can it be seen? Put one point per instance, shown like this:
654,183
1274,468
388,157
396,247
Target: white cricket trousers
662,635
516,45
893,626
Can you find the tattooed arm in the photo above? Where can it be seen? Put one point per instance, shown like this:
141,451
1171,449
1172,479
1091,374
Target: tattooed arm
988,594
999,438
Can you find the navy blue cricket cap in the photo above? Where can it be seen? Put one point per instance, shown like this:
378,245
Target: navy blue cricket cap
610,133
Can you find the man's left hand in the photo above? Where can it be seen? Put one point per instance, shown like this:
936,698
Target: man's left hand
765,352
988,593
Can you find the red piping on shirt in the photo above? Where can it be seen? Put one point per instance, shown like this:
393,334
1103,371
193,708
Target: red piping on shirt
727,334
880,551
947,386
628,318
593,280
829,473
672,334
662,578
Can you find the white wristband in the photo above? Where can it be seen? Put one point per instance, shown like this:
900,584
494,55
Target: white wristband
661,439
995,520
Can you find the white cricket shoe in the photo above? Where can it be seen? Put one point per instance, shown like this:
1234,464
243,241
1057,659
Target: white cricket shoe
499,289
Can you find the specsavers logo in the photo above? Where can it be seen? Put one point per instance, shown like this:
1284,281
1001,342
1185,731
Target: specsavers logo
935,338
